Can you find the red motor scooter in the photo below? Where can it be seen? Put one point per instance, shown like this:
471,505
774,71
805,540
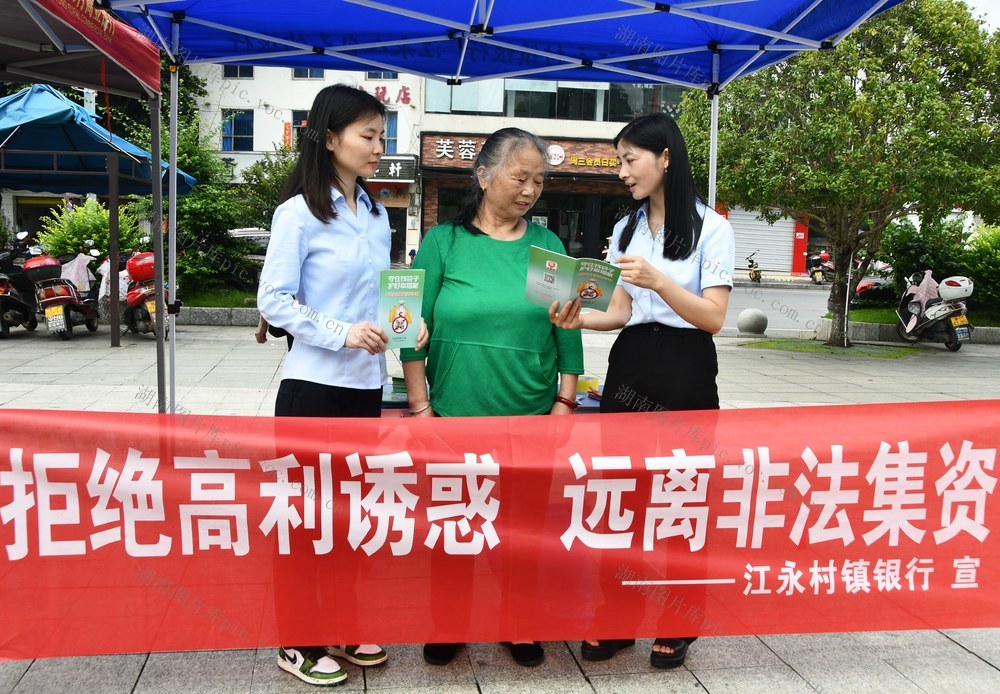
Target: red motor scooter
17,294
139,315
61,302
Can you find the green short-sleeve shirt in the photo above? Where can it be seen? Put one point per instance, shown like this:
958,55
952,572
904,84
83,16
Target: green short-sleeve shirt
491,352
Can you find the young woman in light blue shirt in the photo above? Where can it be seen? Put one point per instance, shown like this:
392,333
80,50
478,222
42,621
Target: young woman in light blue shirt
676,259
320,283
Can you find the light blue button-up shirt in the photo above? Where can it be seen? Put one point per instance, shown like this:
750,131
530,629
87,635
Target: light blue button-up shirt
710,265
319,278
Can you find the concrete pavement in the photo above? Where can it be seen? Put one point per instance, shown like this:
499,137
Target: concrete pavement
221,370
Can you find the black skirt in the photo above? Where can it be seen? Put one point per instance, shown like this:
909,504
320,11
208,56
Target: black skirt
655,367
307,399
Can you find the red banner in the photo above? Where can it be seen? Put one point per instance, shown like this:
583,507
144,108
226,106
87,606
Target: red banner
117,40
134,532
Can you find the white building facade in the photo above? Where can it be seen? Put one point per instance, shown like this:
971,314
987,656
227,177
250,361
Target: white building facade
435,131
252,110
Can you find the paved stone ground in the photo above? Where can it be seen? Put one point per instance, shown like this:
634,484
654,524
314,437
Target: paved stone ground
223,371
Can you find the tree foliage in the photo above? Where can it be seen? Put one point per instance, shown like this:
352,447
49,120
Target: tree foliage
262,184
901,117
67,228
946,249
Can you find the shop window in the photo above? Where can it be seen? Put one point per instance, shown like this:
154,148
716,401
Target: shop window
451,201
576,104
628,101
242,72
298,127
308,73
391,120
237,130
532,104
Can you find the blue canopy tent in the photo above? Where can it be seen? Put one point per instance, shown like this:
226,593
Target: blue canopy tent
703,44
57,42
49,143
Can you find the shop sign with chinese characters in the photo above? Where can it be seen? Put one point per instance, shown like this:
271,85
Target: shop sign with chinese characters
396,168
158,534
451,151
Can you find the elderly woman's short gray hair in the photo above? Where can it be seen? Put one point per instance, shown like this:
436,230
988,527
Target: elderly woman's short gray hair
494,156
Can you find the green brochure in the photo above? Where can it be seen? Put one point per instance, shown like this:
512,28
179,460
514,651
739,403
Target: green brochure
556,277
400,296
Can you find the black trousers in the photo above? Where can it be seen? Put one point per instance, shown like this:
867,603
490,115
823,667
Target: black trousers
653,366
307,399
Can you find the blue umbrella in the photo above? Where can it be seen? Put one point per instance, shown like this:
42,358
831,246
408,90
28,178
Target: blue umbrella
49,143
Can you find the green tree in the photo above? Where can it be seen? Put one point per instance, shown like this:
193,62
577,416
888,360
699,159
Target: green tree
207,255
6,232
902,117
68,228
262,184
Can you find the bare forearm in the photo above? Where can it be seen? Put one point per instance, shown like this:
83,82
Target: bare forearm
706,312
415,375
618,313
567,386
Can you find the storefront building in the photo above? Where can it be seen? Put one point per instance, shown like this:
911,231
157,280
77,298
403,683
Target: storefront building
394,185
582,199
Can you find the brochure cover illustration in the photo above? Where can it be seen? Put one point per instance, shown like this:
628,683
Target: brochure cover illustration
401,294
556,277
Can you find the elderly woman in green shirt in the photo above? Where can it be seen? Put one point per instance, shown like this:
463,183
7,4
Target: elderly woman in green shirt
491,352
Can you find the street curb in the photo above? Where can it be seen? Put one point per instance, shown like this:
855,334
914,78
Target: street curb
883,332
200,315
781,284
859,332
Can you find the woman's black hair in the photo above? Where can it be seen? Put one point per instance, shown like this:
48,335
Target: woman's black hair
494,156
333,109
682,223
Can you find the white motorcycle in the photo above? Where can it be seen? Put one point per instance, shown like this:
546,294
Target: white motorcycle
931,311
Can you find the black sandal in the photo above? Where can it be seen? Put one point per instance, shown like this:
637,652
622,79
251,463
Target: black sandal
605,649
526,654
667,661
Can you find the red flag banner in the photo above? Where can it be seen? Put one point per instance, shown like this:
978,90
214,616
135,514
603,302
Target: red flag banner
141,532
123,44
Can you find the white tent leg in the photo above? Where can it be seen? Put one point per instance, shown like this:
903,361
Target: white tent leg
172,235
157,233
713,150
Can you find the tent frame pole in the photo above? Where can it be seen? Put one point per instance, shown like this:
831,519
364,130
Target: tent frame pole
114,250
172,222
156,178
713,150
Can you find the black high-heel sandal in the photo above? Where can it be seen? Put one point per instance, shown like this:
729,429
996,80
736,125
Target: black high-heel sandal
605,649
668,661
526,654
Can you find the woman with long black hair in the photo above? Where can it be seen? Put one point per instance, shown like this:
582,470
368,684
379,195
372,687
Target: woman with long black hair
329,242
676,257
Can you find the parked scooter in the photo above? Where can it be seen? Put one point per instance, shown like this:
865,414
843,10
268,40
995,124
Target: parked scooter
820,267
62,303
139,315
936,312
753,268
18,304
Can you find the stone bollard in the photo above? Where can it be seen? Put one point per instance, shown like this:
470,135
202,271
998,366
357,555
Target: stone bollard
752,322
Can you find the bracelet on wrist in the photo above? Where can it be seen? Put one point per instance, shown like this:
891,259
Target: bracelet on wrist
425,406
567,402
